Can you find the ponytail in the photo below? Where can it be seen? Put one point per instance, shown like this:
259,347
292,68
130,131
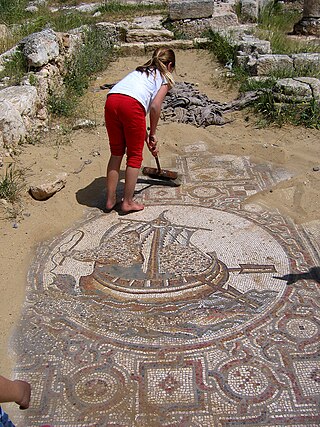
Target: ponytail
161,58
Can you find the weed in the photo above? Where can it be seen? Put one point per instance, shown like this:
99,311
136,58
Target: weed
297,113
11,184
33,79
13,11
275,24
61,105
116,7
92,57
15,68
221,47
257,84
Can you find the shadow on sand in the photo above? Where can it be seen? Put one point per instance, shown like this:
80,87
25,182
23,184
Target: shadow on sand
94,195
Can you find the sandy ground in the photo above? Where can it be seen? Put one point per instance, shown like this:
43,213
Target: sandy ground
84,159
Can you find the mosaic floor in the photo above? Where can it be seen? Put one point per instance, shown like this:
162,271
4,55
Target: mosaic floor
199,311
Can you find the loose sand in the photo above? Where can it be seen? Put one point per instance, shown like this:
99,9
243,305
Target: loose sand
84,160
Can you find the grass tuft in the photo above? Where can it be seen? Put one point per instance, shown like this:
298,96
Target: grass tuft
11,184
15,68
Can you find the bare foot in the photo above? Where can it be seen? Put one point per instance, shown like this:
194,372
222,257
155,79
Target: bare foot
110,204
131,207
25,393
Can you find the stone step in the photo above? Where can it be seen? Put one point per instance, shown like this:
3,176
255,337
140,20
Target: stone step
144,48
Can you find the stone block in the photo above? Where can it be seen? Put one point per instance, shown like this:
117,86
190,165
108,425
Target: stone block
293,89
127,49
24,98
48,186
12,128
148,35
190,9
314,84
266,64
223,20
250,45
250,10
306,61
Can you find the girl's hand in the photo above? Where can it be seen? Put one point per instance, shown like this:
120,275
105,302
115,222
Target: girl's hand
152,145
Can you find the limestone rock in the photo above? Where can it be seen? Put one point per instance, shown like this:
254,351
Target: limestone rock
147,35
4,32
32,9
223,20
303,61
308,27
148,22
24,99
48,186
12,128
190,9
265,64
314,84
249,45
292,90
108,33
83,124
40,48
250,10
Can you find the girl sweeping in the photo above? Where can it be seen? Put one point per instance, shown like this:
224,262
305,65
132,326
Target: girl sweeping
139,93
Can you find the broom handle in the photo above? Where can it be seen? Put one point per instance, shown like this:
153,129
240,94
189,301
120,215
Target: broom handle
158,164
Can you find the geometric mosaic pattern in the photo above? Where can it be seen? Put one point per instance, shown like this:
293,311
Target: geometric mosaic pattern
198,311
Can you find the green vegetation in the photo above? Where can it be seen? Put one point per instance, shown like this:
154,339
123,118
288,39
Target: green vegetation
297,113
15,68
93,56
13,11
115,7
221,47
23,23
11,184
274,24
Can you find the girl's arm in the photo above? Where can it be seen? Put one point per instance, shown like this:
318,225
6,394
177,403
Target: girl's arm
15,391
155,109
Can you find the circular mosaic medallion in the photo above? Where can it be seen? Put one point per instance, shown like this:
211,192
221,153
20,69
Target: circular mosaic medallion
247,381
96,388
302,328
170,275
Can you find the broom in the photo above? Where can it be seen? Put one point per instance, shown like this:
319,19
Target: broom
159,173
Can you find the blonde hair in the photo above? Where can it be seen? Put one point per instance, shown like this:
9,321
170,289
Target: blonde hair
161,58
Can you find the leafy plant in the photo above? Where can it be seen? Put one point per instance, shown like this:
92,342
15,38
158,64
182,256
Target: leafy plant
116,7
15,68
61,105
13,11
275,23
11,184
92,57
297,113
221,47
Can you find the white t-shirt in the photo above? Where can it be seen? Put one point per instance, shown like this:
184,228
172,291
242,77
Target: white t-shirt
140,86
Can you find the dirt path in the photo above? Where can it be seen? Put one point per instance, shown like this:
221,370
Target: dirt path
295,149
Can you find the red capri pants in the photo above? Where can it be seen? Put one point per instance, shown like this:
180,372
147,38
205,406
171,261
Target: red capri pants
125,121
